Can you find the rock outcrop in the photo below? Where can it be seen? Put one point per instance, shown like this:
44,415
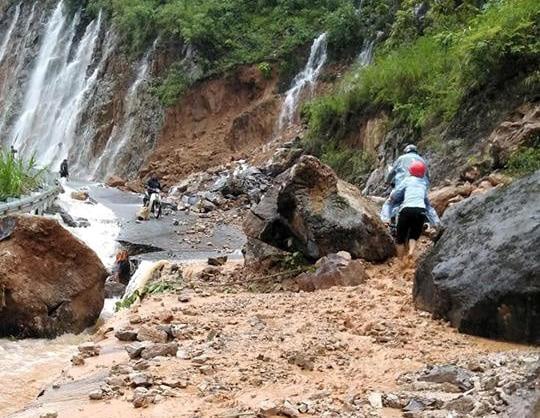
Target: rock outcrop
483,272
50,282
308,209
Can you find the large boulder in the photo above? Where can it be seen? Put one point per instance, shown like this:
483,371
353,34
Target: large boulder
483,273
50,282
308,209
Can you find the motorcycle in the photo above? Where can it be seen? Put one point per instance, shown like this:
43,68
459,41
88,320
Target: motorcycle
153,202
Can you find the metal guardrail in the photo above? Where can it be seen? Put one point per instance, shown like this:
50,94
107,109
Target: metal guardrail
36,203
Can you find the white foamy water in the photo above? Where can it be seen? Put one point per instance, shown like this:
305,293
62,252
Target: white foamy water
303,81
140,277
103,231
56,93
7,38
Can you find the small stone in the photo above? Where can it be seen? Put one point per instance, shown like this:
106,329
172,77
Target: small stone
77,360
141,365
163,350
89,349
135,319
268,408
96,395
183,299
140,379
134,350
49,415
115,381
375,400
141,398
217,261
126,334
166,316
153,334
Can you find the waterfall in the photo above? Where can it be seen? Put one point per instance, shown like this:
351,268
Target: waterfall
8,89
7,37
55,95
306,78
366,55
107,163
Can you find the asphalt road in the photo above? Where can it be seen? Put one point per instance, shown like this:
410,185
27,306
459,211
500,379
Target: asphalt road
161,237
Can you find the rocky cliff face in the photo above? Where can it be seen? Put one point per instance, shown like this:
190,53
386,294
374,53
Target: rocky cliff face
67,89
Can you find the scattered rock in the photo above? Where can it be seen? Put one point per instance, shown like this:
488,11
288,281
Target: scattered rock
115,181
151,333
89,349
126,334
80,195
96,395
217,261
140,379
161,350
333,270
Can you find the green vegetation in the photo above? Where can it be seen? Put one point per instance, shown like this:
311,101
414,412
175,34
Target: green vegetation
350,165
153,288
17,176
524,161
228,33
424,73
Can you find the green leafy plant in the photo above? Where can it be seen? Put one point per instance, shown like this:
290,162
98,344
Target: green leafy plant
265,70
150,289
18,176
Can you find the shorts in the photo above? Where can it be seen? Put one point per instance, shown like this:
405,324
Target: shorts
410,224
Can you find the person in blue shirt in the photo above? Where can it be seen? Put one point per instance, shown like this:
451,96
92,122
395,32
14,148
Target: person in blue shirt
398,173
411,195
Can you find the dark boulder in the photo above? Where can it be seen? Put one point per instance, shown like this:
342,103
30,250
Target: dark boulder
50,282
484,272
308,209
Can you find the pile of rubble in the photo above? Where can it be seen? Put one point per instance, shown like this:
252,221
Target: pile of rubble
505,384
224,186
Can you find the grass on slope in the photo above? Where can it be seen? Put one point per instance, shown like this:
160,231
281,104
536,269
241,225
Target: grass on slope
425,80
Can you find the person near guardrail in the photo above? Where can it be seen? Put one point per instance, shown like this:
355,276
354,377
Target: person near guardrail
13,151
64,172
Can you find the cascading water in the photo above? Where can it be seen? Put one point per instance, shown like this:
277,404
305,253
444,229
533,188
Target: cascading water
116,144
366,55
60,96
8,89
56,91
7,39
305,79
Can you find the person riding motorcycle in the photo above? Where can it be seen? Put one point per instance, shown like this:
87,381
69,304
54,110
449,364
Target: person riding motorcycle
152,186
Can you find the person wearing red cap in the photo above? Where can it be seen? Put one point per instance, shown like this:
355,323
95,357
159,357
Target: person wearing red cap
412,195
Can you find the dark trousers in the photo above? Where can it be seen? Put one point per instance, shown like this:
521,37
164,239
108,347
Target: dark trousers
410,224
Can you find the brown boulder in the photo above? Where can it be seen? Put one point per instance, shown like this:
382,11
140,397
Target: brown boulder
115,181
80,195
309,210
333,270
442,198
50,282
